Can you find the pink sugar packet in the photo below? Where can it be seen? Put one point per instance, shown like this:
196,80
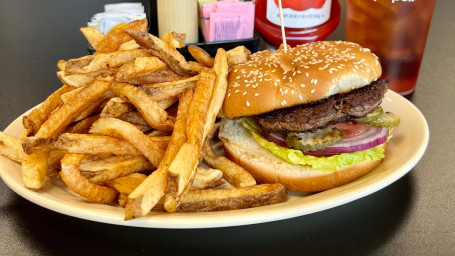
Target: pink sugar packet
227,20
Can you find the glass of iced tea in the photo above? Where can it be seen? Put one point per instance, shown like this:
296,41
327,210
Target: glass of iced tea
396,31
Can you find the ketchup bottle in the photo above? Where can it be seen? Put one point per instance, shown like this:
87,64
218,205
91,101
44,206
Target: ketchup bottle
304,20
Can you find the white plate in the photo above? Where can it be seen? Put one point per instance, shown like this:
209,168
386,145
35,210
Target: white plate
404,151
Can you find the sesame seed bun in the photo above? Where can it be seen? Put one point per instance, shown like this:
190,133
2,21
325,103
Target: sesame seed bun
304,74
266,167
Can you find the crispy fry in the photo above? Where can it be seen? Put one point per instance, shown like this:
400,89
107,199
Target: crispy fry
166,53
232,199
34,169
221,69
61,64
80,185
155,116
115,107
128,132
201,56
94,144
79,80
83,125
238,55
93,36
70,110
167,90
115,38
103,61
101,170
141,66
11,147
182,169
160,76
147,195
174,39
232,172
130,45
38,116
206,178
127,184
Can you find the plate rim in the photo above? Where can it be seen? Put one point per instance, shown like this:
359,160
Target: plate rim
276,212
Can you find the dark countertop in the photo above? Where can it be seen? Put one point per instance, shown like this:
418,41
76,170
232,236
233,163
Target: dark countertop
413,216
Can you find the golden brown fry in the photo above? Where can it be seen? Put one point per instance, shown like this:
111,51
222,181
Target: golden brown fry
128,132
83,125
201,56
100,170
34,169
174,39
79,80
155,116
238,55
221,69
115,38
11,147
167,90
232,199
115,107
127,184
141,66
130,45
233,173
70,110
147,195
182,169
61,64
103,61
80,185
96,106
159,76
93,36
33,121
68,95
166,53
206,178
94,144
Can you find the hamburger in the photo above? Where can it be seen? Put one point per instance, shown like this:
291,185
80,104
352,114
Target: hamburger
309,118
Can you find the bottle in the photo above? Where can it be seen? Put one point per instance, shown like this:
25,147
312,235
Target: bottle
304,20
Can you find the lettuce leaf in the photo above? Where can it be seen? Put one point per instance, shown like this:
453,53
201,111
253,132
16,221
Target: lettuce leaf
323,164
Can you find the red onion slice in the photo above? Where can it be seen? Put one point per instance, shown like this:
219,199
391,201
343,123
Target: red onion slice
375,136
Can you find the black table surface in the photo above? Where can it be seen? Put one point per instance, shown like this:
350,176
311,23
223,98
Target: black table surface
413,216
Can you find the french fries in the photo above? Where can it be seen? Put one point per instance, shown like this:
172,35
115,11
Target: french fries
201,56
111,134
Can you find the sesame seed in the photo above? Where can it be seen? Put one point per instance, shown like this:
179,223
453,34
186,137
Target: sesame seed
307,74
235,70
236,91
315,81
302,85
247,103
312,91
244,93
300,96
292,91
256,94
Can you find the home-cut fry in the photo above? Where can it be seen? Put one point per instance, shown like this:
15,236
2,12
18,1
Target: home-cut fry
174,39
71,109
115,38
167,90
115,107
93,36
155,116
238,55
206,178
120,129
130,45
127,184
232,172
165,52
11,147
101,170
147,195
80,185
33,121
34,169
201,56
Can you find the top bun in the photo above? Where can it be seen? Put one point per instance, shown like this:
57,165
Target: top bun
306,73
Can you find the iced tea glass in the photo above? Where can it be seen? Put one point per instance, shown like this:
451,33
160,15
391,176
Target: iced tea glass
396,31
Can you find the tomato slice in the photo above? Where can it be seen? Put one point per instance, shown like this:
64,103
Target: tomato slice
351,128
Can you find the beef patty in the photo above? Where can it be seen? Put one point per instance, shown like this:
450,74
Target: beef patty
354,104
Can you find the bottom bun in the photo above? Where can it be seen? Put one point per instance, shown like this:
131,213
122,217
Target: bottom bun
266,167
